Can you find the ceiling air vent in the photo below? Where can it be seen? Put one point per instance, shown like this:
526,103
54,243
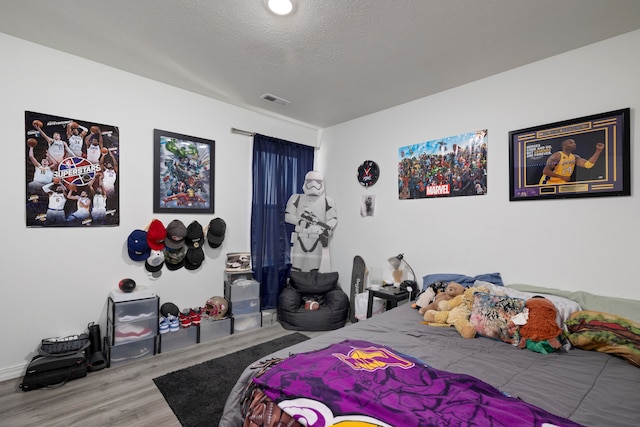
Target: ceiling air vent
273,98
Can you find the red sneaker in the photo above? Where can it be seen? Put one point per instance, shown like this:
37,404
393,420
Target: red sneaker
185,318
196,317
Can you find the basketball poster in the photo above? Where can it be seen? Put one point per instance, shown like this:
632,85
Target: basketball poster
446,167
72,170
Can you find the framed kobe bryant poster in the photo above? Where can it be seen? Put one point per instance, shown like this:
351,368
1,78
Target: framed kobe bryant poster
183,173
584,157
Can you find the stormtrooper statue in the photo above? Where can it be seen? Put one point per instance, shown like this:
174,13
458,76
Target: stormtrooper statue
314,216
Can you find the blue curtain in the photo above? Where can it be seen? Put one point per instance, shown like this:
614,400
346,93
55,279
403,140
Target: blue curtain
279,168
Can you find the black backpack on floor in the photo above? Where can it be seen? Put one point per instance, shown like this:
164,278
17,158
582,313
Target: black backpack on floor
54,371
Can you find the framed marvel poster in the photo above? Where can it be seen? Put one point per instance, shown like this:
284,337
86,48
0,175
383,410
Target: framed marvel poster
445,167
584,157
72,170
183,173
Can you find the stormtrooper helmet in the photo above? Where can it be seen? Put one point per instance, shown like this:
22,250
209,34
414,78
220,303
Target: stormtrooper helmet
313,183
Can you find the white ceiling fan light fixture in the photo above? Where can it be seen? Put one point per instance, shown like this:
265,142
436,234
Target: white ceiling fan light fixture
280,7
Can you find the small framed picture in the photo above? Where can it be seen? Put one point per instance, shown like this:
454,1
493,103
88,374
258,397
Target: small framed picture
584,157
183,173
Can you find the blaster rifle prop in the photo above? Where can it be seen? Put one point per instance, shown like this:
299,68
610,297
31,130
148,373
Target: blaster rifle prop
312,220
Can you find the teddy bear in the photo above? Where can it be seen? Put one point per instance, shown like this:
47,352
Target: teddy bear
452,290
541,332
455,312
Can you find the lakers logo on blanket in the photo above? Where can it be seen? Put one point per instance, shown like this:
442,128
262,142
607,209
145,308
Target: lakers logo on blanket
372,358
311,412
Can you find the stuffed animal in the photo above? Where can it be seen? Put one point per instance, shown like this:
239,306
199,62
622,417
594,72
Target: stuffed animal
455,312
541,332
452,290
424,298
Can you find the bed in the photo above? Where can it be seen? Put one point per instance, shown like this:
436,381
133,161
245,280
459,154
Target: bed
584,387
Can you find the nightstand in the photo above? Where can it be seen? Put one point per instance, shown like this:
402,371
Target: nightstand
392,295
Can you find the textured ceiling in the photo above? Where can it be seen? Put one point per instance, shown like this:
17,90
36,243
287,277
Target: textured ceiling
334,60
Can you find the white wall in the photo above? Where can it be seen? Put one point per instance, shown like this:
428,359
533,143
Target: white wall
581,244
56,281
51,290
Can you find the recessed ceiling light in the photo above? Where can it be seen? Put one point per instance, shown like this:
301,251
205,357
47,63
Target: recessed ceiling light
280,7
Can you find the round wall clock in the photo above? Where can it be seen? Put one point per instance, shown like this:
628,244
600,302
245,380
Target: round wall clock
368,173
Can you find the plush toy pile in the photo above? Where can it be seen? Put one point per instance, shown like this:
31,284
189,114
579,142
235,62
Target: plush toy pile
451,306
541,333
456,310
429,299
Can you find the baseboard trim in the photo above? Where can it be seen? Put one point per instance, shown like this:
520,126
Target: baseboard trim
12,372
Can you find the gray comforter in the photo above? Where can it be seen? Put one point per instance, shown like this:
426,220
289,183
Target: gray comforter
588,387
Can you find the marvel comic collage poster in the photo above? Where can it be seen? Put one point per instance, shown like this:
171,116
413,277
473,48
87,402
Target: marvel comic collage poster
183,173
446,167
71,172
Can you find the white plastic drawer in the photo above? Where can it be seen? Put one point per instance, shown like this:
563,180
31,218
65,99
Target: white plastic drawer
247,322
127,332
133,311
119,354
183,337
242,290
212,329
246,306
233,277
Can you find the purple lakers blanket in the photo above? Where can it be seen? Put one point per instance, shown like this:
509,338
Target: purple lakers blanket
359,383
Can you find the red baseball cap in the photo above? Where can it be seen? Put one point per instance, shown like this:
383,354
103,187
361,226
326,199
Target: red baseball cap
156,235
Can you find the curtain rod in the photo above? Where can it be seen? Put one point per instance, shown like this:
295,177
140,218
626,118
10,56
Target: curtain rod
242,132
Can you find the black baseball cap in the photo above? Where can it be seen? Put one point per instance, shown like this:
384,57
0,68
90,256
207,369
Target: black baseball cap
216,232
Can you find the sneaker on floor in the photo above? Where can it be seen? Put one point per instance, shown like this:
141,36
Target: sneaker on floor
204,314
174,323
185,318
163,325
131,332
195,315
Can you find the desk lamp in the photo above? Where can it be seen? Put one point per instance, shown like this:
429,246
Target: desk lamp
410,285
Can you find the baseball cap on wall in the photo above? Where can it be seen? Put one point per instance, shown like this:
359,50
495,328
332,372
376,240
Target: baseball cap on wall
195,240
176,232
156,235
216,231
194,258
195,235
137,245
155,261
174,258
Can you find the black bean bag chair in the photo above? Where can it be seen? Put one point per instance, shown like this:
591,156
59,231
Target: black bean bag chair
313,286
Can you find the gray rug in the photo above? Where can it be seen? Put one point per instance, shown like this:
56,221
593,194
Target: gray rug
197,394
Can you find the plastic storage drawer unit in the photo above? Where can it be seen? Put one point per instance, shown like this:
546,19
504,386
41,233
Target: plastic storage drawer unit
132,320
246,306
136,350
233,277
133,331
183,337
246,322
241,290
212,329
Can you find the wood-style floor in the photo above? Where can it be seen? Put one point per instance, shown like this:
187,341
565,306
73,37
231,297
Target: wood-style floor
123,395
